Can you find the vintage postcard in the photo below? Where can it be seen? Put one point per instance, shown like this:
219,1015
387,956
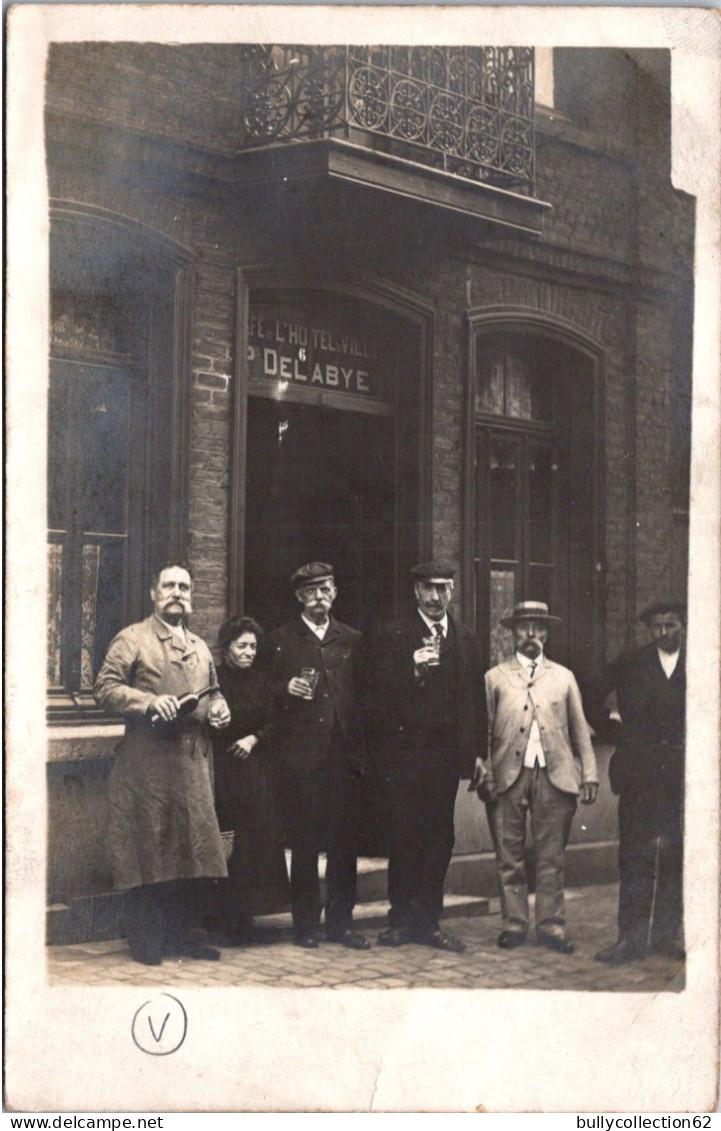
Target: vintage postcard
362,597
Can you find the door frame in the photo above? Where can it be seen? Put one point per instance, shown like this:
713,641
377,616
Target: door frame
418,314
542,324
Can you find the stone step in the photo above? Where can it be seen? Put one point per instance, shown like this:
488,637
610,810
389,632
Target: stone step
374,916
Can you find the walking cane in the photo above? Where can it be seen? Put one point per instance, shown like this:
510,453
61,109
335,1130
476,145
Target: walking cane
656,863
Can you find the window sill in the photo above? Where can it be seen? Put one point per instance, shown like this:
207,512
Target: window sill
76,743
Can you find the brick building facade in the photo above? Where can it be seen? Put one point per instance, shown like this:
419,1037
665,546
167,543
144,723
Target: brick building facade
341,344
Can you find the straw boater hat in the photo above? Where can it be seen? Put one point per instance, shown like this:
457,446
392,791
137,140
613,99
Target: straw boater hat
529,610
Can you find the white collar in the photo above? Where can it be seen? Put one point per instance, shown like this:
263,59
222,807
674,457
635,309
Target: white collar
319,629
526,662
443,622
177,629
668,661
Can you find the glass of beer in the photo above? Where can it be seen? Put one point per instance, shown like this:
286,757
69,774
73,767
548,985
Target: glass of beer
433,642
311,677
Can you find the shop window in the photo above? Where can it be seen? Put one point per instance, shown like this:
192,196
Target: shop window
114,493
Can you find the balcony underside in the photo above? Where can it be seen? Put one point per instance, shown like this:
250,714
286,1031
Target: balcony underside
344,161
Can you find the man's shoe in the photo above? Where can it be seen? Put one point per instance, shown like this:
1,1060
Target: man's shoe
670,949
200,952
622,951
394,936
350,938
441,940
147,957
509,940
556,942
306,939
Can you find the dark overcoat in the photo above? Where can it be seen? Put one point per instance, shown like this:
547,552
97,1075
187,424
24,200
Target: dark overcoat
648,764
395,698
307,728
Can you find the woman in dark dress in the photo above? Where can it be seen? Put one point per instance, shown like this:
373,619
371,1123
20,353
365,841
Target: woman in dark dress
245,786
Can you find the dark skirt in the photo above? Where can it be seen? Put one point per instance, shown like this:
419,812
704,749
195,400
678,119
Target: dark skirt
245,800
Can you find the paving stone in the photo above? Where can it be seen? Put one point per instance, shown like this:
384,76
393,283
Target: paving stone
592,913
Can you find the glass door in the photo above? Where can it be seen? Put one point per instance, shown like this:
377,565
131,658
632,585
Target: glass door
519,553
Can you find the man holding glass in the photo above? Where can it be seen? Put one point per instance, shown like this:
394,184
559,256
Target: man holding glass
312,663
427,730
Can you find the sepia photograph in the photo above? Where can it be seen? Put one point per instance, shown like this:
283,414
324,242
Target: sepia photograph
362,589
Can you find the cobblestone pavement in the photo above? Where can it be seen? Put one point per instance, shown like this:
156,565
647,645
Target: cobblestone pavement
591,913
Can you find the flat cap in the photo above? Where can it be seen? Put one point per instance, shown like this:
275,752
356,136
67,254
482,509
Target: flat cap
660,607
433,571
312,573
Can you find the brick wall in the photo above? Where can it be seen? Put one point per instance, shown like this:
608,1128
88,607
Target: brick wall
614,216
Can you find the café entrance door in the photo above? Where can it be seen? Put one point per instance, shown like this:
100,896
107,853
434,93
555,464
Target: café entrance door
331,444
320,486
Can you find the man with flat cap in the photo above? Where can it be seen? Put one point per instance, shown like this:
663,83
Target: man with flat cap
427,729
541,758
312,661
647,774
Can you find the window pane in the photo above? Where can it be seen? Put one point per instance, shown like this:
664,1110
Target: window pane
541,477
109,578
58,425
489,385
503,488
105,398
55,620
515,377
89,612
518,387
503,598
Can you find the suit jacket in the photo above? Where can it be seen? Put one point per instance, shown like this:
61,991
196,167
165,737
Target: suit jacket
650,753
565,735
306,728
395,698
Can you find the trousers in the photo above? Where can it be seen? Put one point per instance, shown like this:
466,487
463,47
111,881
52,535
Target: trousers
551,812
421,838
323,806
650,859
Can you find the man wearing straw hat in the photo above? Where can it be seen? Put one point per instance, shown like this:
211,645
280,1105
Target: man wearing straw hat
541,759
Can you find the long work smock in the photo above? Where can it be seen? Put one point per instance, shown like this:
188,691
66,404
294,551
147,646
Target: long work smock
162,823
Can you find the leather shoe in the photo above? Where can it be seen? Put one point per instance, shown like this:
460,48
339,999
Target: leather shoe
394,936
509,940
200,951
147,957
670,949
441,940
350,938
557,943
622,951
307,940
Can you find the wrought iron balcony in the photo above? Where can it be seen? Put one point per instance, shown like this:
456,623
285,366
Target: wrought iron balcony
465,110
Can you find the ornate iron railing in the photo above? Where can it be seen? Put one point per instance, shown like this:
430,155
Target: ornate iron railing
466,110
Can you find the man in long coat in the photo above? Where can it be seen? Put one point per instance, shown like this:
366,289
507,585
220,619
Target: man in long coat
163,833
647,773
541,759
427,730
320,754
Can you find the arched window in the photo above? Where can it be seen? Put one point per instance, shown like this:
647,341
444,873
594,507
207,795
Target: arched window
534,499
